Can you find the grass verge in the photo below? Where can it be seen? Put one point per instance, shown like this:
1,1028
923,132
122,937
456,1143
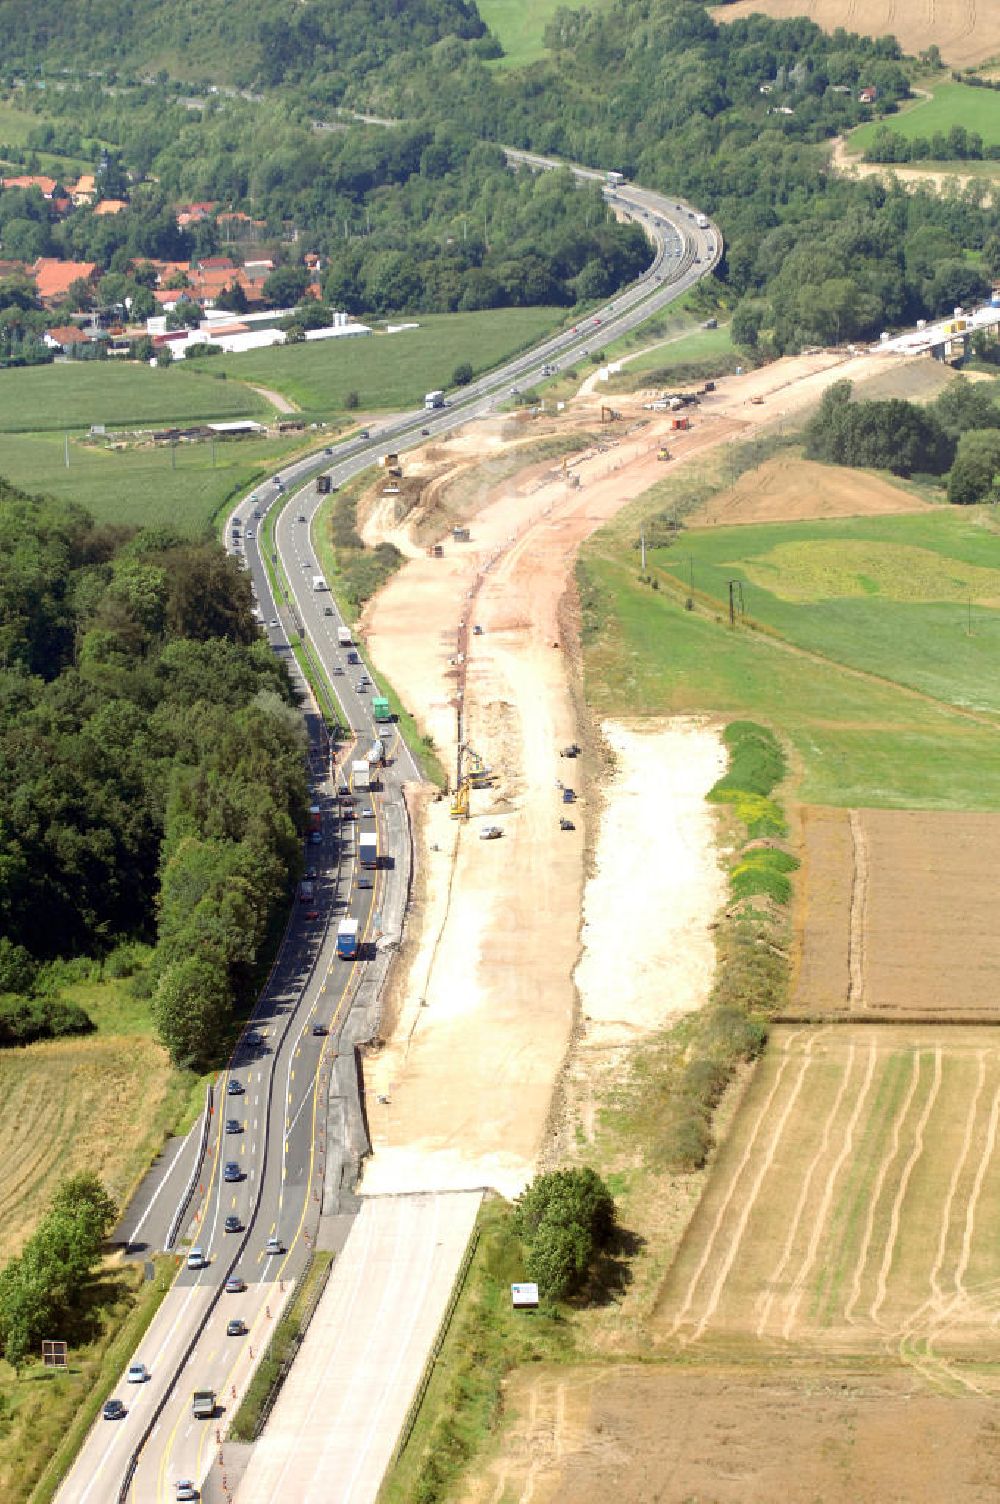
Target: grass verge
57,1418
281,1349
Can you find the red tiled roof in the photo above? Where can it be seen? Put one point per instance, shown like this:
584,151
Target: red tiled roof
46,185
53,278
68,334
110,206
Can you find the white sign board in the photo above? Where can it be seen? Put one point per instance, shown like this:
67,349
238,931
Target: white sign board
524,1297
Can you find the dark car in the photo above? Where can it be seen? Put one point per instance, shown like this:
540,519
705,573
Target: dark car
233,1125
312,913
425,433
235,1088
232,1171
365,882
233,1224
236,1328
311,875
319,1029
328,450
114,1410
235,1285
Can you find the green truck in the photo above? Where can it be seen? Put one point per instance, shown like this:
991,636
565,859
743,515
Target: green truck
380,708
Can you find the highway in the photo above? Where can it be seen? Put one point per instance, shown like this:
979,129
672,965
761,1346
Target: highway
285,1057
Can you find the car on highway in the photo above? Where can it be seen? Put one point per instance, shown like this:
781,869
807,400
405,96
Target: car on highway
301,517
367,813
274,622
327,450
249,532
236,1328
273,1245
235,1285
136,1373
233,1224
361,688
196,1258
232,1172
235,1088
327,610
233,1125
184,1490
365,882
114,1410
319,1030
311,874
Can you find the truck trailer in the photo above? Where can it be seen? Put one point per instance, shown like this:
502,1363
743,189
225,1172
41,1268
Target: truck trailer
203,1404
433,399
368,849
347,939
344,637
359,776
319,582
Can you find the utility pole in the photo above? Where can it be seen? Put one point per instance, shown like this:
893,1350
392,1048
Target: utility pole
642,545
66,450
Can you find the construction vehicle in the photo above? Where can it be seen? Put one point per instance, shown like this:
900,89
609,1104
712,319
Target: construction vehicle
479,774
565,824
203,1404
680,423
435,551
572,750
460,534
757,401
460,801
490,833
663,454
609,415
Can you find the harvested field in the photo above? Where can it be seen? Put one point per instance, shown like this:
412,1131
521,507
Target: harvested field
66,1106
711,1436
895,914
966,33
786,489
853,1208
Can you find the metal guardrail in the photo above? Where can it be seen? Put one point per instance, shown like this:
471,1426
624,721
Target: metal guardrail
185,1201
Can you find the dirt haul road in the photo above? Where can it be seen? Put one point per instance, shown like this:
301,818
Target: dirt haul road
461,1095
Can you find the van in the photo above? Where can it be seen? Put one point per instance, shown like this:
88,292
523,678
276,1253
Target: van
272,1246
196,1258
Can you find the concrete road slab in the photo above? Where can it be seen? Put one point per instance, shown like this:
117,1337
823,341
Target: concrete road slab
337,1419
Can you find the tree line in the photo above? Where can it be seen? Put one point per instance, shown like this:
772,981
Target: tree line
152,778
956,436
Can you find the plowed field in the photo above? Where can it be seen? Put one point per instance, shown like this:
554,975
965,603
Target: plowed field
854,1206
896,914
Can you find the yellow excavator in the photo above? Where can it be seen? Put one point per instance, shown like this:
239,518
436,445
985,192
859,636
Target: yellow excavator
479,774
460,801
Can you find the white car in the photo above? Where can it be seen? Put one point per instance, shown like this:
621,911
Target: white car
184,1489
137,1373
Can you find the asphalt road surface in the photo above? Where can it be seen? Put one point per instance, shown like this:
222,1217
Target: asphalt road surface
283,1061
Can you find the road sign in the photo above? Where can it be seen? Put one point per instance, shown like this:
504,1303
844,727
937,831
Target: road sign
53,1353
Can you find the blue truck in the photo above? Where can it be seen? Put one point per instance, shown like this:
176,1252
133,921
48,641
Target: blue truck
347,939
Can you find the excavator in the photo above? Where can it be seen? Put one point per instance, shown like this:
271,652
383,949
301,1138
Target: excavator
460,802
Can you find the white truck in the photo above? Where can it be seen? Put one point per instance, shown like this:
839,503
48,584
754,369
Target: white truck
702,221
319,583
360,776
344,637
368,849
432,400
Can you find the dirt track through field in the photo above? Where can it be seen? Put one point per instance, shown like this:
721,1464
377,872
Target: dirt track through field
853,1165
895,907
966,32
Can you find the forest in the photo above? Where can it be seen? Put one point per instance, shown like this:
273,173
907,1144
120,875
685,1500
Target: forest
152,783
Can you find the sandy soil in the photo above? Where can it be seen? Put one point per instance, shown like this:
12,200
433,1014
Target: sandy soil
967,31
916,177
895,914
648,1435
794,490
461,1095
655,885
